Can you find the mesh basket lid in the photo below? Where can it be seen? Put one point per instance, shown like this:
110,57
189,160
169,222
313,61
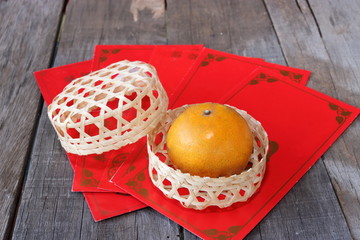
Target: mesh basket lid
109,108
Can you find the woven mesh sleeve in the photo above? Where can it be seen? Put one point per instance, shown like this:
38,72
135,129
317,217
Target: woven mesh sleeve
109,108
201,192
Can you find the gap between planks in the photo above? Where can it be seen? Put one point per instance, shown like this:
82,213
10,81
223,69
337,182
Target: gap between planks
12,221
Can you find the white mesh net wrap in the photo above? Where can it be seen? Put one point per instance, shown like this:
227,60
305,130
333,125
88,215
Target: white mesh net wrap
109,108
200,192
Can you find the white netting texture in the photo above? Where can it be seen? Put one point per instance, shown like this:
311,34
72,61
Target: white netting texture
200,192
109,108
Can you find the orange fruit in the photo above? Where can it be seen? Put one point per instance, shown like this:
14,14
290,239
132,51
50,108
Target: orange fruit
210,139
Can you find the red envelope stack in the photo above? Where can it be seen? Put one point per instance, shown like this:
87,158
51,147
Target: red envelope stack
301,124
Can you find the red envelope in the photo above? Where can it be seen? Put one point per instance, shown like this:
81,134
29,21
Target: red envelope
99,169
105,55
90,169
102,205
302,124
52,81
224,72
172,62
112,166
107,205
93,172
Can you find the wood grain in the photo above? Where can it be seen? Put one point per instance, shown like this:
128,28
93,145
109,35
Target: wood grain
322,37
48,208
27,32
245,28
239,27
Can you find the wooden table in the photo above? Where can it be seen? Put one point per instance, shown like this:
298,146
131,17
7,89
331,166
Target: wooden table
36,201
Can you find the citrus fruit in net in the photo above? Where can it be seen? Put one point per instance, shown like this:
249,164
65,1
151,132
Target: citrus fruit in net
210,139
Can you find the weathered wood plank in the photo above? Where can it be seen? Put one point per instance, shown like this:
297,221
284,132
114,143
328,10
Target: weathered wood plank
309,211
143,224
322,36
27,33
48,208
239,27
245,28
